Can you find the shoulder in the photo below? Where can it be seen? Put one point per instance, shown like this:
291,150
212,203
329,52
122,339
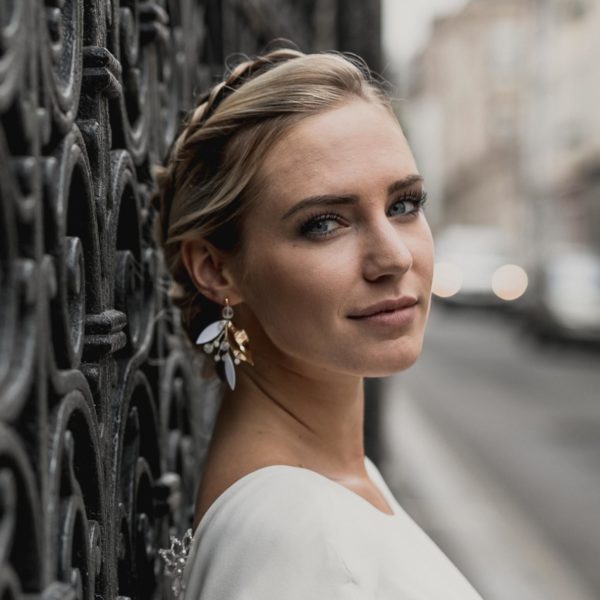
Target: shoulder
292,501
270,530
272,497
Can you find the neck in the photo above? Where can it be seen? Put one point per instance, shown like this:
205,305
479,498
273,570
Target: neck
313,418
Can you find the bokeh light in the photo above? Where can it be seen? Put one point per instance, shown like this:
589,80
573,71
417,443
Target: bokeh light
509,282
447,279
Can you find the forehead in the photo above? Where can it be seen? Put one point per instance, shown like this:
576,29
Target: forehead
355,148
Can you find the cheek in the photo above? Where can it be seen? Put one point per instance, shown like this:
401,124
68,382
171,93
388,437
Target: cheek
297,293
423,254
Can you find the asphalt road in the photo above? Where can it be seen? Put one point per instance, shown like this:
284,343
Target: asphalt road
494,447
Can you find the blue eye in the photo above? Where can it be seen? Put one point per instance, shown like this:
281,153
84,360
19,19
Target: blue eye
322,225
402,206
408,204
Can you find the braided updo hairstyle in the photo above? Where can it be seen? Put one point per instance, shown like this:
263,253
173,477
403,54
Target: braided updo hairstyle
210,177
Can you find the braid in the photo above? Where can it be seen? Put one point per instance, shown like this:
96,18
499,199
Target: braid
167,176
240,74
243,72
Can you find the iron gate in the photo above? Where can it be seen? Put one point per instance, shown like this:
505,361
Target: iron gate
97,457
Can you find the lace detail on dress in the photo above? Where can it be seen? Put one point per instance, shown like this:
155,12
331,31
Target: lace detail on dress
175,558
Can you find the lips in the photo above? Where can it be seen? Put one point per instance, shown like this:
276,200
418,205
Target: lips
384,306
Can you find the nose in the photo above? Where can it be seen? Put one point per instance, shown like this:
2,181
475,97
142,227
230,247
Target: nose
386,252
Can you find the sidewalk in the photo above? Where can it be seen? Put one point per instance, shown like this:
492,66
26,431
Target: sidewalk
473,519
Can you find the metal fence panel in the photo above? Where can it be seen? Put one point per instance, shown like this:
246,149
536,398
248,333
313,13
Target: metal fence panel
101,409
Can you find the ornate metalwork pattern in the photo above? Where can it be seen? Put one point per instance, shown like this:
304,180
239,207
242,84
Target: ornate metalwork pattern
101,411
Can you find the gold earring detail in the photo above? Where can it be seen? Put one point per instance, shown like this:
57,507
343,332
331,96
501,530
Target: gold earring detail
226,343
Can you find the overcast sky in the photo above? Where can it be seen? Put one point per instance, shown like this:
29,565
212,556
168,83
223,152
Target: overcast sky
406,24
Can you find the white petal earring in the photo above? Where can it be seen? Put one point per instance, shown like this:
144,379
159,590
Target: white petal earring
227,343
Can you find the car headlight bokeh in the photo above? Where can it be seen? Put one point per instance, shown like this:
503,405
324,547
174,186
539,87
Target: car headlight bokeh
447,279
509,282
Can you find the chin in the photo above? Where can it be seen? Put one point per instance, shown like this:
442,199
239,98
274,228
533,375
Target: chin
398,368
391,363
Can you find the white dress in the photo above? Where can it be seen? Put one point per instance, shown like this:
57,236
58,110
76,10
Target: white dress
289,533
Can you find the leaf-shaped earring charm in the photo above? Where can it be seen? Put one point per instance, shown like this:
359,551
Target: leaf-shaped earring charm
222,339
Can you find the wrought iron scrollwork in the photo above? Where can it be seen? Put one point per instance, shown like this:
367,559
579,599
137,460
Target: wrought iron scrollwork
101,408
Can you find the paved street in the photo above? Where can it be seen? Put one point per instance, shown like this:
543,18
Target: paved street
494,447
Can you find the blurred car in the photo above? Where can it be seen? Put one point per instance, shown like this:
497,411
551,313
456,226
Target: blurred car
475,266
564,298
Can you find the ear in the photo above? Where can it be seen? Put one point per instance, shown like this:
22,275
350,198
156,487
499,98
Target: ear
207,268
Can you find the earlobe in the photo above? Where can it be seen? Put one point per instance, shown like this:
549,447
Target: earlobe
205,266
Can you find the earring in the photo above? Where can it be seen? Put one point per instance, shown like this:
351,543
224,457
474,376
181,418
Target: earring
223,339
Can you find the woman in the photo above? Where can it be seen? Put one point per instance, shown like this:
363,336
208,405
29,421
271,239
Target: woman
291,220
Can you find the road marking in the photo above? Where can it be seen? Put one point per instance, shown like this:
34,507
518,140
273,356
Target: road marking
502,553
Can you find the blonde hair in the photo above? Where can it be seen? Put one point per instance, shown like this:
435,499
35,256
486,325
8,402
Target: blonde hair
210,177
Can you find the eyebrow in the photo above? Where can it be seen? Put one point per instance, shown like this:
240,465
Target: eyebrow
402,184
346,199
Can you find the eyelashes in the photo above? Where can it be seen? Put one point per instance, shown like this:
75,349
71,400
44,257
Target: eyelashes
417,198
308,227
315,225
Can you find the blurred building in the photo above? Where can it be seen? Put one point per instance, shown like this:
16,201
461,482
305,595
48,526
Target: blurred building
502,115
560,158
464,112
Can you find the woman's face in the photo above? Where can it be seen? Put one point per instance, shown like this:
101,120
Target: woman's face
338,230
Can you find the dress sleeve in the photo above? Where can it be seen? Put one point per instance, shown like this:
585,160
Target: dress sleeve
270,538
